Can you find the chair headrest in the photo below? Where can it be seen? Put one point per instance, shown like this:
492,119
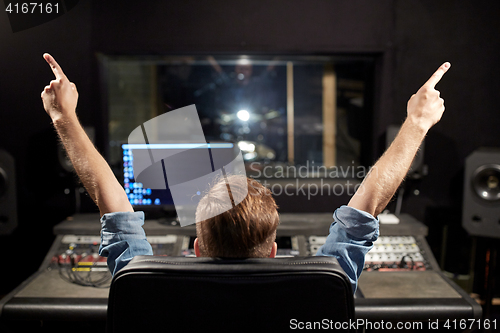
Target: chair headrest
231,265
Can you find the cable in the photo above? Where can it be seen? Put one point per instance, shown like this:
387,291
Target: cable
70,272
403,262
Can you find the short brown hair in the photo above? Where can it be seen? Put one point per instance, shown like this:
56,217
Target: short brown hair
247,230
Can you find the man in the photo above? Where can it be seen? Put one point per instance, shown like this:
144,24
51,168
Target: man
248,229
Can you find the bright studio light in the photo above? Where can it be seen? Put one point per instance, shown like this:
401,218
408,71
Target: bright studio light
243,115
246,146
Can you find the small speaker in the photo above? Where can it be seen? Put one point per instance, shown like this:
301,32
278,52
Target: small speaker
417,169
8,198
481,200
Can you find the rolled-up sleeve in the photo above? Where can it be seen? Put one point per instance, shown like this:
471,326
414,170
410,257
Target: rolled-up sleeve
351,237
122,238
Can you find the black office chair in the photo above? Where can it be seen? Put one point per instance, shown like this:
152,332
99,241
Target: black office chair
177,294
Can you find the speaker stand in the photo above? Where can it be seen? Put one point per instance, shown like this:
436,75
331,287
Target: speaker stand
489,276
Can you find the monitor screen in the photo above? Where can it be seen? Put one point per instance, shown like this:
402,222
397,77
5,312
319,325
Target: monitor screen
138,195
155,195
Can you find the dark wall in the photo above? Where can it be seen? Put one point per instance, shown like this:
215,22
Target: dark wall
462,32
411,38
427,33
27,134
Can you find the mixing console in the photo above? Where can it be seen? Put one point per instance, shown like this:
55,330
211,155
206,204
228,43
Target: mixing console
389,253
77,255
78,261
71,284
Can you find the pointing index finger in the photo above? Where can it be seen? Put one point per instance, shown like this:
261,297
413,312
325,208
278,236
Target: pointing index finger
56,69
436,77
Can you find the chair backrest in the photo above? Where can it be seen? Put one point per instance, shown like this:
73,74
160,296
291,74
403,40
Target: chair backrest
177,294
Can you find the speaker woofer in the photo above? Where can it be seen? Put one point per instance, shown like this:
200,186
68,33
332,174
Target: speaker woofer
486,182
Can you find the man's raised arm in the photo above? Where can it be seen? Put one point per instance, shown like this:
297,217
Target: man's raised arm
425,109
60,98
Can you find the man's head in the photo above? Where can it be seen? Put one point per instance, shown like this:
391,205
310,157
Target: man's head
247,230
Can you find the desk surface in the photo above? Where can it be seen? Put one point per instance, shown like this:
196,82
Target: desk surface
45,297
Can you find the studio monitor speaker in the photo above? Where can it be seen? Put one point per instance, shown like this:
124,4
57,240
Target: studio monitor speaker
8,198
481,200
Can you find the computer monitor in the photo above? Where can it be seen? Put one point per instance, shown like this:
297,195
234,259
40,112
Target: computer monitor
150,197
143,198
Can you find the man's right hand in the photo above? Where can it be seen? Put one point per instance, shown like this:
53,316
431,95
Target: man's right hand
60,97
425,109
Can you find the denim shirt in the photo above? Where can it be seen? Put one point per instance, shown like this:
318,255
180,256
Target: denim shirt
122,238
351,236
